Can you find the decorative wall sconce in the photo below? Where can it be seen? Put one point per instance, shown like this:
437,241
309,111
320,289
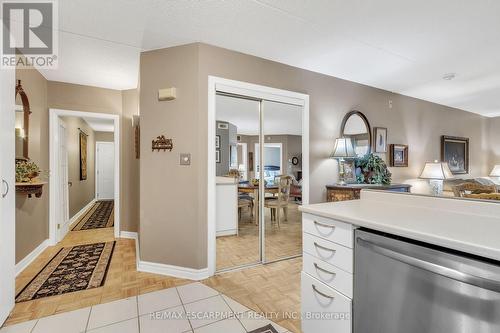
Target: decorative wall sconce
161,143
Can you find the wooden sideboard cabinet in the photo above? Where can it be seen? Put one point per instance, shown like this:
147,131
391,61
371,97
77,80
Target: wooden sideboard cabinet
337,192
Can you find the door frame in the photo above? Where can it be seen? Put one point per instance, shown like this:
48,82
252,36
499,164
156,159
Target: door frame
272,145
244,157
7,191
95,168
61,123
54,179
218,84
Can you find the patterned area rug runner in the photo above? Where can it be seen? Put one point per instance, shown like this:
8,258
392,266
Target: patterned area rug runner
71,269
99,216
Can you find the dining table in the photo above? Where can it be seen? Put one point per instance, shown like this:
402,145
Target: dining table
252,189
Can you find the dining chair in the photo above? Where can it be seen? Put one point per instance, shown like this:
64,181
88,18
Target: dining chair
280,201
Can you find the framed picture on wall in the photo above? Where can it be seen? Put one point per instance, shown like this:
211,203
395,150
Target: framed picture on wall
398,155
217,156
380,136
83,156
250,161
217,141
455,151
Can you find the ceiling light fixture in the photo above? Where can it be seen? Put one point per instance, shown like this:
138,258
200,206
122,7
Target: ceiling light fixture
449,76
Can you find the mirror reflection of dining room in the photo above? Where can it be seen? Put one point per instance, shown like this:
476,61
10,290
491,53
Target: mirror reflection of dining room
243,192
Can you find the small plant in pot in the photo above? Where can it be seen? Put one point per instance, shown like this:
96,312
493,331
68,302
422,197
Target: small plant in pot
371,169
26,171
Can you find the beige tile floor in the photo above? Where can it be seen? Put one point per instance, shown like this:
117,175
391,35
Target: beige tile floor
194,308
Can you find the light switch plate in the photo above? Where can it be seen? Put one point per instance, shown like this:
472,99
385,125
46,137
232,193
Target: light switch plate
185,159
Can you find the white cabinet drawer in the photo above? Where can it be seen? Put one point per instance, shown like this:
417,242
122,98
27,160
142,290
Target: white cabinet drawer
329,252
332,230
324,309
328,274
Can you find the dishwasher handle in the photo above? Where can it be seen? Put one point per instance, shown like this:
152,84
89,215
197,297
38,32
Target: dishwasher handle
431,267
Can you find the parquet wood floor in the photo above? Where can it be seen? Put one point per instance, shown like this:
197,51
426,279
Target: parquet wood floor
122,281
270,288
286,241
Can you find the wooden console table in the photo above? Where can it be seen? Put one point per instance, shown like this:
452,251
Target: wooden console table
337,192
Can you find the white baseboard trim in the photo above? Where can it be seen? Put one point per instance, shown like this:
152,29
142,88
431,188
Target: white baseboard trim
129,234
82,211
20,266
230,232
175,271
162,269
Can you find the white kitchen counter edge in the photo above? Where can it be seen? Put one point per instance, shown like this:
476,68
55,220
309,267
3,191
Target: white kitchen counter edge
459,243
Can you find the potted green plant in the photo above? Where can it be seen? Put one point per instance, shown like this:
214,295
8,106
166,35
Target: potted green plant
371,169
26,171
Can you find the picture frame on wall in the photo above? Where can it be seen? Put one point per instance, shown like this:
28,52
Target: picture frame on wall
83,156
250,161
380,136
398,155
455,151
217,156
217,141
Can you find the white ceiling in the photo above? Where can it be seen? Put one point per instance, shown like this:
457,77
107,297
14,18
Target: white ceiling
244,114
100,125
400,46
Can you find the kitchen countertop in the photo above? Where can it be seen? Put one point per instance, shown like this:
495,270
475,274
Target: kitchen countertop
226,181
474,230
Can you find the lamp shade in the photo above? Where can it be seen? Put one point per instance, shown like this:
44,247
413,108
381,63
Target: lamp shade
436,170
343,148
496,171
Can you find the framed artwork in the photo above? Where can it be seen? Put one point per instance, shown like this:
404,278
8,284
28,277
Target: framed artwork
217,156
349,171
217,141
83,156
398,155
250,161
455,151
380,135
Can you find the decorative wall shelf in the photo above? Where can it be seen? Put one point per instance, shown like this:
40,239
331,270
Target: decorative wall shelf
30,188
162,143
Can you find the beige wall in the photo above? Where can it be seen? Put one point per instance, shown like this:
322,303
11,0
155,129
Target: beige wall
494,139
81,192
174,223
32,214
77,97
104,136
171,209
129,164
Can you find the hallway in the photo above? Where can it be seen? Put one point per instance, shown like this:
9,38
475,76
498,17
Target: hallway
270,288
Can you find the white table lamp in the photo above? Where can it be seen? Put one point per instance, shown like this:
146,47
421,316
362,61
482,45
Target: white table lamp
436,172
496,171
343,149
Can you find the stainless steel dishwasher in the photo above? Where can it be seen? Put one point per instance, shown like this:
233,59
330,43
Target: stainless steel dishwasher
402,286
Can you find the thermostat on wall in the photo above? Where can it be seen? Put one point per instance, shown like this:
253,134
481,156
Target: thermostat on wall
167,94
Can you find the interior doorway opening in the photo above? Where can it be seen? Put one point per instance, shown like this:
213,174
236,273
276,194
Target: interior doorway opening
85,172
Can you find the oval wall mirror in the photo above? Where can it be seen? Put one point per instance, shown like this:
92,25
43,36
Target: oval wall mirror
355,126
22,122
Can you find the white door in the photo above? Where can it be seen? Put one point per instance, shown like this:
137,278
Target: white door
105,170
7,191
63,223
